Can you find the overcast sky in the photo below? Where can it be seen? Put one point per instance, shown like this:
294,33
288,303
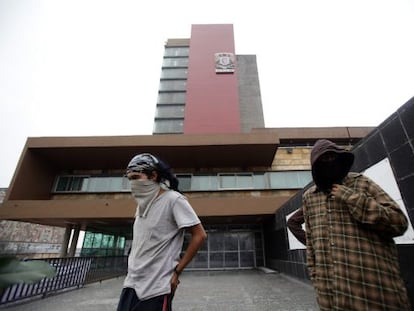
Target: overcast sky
82,68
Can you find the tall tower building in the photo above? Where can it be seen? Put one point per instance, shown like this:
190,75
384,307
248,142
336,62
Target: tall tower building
205,88
237,175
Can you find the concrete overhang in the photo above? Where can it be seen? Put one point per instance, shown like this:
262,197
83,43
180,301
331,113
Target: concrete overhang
107,215
180,151
308,135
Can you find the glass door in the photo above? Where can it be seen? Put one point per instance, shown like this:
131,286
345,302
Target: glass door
227,250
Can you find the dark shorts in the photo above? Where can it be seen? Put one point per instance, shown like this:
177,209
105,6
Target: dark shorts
130,302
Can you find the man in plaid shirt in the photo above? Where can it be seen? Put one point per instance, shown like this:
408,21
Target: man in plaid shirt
350,224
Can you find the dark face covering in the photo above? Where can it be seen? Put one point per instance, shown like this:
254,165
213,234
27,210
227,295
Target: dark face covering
329,173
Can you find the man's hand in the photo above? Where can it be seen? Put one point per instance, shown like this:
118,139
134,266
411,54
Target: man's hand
341,192
336,190
174,283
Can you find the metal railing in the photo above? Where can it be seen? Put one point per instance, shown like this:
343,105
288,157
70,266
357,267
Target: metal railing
103,268
71,273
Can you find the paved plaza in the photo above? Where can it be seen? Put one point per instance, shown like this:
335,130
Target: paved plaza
248,290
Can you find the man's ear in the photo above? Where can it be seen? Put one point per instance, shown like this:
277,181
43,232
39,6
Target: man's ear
154,175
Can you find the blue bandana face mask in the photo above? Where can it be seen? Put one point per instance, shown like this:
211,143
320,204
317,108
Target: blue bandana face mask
144,192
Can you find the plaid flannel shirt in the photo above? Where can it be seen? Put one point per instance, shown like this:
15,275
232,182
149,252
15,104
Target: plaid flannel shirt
351,256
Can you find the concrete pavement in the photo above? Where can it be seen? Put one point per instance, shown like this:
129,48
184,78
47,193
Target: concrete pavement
247,290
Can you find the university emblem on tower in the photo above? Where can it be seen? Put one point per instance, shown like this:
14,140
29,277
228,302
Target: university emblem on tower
224,62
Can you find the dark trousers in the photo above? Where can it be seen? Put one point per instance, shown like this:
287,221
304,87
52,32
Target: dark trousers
130,302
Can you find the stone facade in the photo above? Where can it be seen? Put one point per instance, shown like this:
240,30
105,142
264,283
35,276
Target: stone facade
26,240
291,159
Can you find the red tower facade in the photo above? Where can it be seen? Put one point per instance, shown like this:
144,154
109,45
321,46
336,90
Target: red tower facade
212,101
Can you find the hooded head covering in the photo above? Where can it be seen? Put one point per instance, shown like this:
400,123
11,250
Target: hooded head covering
326,173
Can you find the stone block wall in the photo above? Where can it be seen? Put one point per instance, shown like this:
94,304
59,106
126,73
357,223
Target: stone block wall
291,159
26,240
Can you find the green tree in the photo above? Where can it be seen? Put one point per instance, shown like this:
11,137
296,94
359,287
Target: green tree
14,271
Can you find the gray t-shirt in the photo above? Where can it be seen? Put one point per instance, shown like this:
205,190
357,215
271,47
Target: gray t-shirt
157,242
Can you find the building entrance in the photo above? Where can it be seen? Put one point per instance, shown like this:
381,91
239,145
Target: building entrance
229,250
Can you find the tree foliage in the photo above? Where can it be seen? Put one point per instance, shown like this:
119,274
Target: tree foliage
14,271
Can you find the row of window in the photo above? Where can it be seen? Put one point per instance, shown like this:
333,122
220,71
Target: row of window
174,73
170,111
173,85
177,51
171,98
191,182
99,244
175,62
168,126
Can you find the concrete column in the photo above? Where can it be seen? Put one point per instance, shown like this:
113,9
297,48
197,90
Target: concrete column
75,237
65,243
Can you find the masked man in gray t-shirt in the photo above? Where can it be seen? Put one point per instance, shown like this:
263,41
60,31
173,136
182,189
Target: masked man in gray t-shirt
163,214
